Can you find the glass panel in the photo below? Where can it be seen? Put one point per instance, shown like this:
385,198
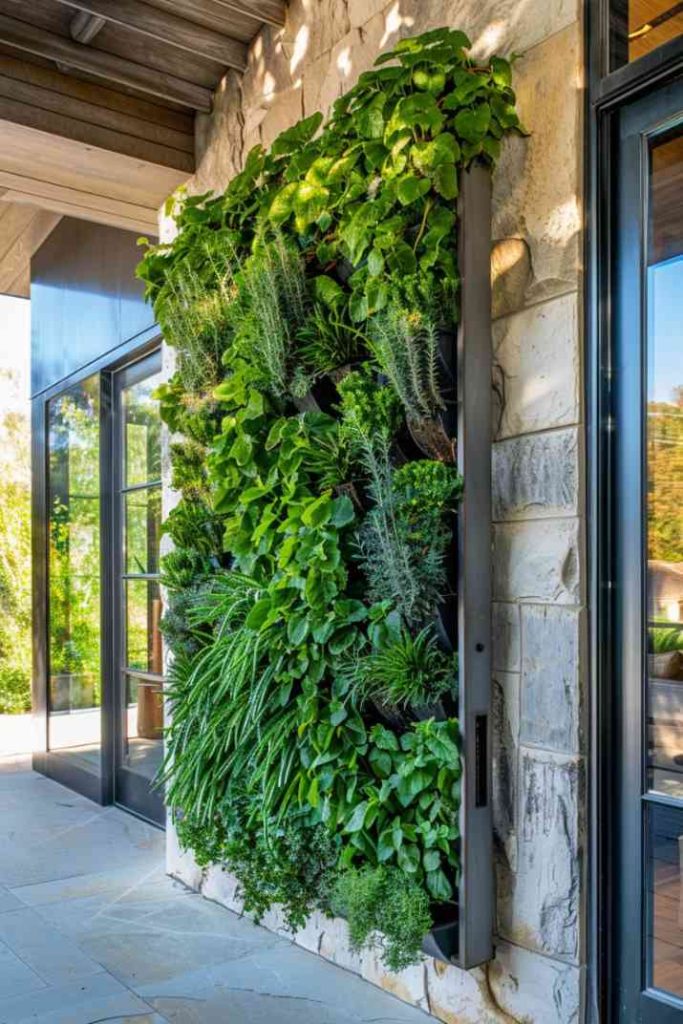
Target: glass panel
665,470
640,26
665,897
143,529
144,748
143,636
74,572
142,428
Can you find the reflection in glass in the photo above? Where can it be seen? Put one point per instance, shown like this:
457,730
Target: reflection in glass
142,691
144,725
665,892
665,566
74,572
142,427
143,636
665,472
143,527
640,26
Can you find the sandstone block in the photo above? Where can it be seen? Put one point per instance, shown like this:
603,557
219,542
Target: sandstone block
459,997
537,184
505,630
494,26
222,887
537,561
510,275
537,368
536,475
535,988
538,905
504,767
286,110
551,689
218,138
408,985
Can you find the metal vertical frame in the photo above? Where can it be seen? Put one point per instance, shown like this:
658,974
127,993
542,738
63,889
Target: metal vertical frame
476,889
610,89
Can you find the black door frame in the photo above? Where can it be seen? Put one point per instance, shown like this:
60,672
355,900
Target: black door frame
99,788
609,92
130,790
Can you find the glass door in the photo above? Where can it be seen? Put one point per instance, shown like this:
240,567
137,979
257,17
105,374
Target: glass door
138,667
648,459
74,696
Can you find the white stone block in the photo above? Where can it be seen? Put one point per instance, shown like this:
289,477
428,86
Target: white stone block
537,368
537,561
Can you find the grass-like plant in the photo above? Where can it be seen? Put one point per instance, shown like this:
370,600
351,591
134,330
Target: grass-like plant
194,311
328,340
405,344
666,639
274,307
406,671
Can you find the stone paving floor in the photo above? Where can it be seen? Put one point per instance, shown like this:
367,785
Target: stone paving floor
92,930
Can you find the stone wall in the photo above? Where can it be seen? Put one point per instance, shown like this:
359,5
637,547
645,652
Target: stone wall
539,625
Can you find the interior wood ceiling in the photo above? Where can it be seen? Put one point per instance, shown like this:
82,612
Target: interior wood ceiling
645,36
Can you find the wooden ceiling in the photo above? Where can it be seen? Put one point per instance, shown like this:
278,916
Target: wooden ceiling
652,23
98,100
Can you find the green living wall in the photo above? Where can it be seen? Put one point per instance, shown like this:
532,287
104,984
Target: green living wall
314,745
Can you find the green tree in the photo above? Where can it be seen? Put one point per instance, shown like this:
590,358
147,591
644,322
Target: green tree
15,559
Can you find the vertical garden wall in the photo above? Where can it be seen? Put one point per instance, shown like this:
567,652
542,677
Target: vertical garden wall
314,748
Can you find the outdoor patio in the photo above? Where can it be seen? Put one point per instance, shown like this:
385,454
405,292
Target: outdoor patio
91,929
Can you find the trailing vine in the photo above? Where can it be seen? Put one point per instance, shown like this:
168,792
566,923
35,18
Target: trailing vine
314,747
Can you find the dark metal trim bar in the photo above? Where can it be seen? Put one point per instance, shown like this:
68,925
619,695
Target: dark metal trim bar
476,889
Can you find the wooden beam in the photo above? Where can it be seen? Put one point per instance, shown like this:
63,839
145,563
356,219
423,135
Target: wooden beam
166,28
271,12
88,208
19,35
73,119
48,166
179,123
16,258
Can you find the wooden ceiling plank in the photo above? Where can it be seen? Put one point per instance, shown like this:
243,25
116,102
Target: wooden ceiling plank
22,36
115,141
210,14
32,154
29,68
166,28
144,222
91,113
270,12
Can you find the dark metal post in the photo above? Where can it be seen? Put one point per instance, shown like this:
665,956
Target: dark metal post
474,567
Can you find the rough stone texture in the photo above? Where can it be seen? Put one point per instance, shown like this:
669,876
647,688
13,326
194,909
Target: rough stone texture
551,645
536,191
535,988
535,976
505,766
536,475
506,637
538,904
537,561
537,368
510,275
218,137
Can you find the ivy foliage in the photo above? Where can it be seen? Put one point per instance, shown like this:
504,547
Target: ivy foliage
314,743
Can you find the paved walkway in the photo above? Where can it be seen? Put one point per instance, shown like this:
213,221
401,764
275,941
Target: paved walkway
91,930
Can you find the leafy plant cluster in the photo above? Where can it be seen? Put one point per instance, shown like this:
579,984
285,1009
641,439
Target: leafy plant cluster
314,748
